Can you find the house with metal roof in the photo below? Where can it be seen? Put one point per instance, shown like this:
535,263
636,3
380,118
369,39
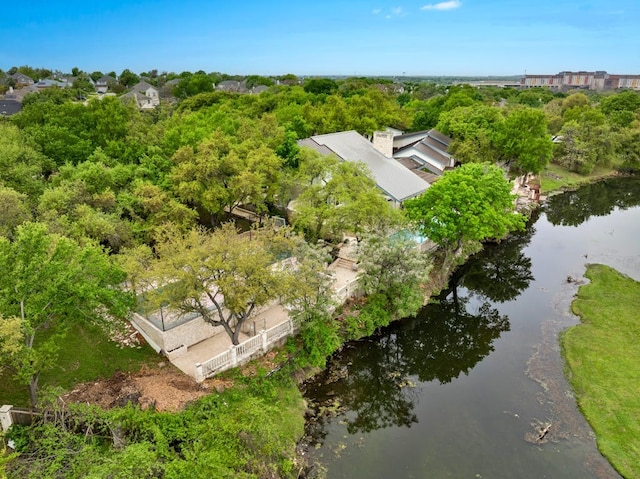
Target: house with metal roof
51,83
396,182
424,151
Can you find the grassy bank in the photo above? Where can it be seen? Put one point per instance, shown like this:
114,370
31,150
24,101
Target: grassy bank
85,354
603,358
557,178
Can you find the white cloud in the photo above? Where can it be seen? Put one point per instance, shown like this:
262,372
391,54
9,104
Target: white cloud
390,13
450,5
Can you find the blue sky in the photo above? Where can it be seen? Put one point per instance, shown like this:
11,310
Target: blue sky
357,37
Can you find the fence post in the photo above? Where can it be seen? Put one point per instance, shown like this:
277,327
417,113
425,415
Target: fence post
5,417
265,343
199,373
234,356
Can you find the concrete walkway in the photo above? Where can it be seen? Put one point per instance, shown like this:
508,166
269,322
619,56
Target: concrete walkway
268,317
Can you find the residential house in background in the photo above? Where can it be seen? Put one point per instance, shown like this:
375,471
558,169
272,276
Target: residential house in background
232,85
21,80
146,96
396,182
51,83
104,83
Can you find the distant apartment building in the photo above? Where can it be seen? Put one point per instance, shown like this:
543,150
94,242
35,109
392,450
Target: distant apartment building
598,80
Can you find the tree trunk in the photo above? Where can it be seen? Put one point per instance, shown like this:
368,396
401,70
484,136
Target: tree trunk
235,335
33,390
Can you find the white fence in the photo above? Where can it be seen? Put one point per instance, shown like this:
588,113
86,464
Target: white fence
243,352
10,416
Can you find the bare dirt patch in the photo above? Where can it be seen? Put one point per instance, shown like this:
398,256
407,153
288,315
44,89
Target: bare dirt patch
163,388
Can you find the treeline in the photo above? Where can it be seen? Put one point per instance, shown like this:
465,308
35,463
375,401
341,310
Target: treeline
91,192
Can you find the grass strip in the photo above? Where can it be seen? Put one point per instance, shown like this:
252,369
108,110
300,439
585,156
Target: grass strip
556,177
85,354
603,359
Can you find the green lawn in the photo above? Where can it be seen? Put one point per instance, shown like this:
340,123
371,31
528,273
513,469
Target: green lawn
86,354
603,358
555,177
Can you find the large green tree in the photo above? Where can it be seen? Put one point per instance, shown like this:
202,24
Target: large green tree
473,202
338,197
523,141
394,266
223,276
47,283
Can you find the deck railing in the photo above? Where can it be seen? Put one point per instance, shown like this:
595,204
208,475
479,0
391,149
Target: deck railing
242,352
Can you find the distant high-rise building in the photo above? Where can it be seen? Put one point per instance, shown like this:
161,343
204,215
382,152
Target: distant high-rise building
598,80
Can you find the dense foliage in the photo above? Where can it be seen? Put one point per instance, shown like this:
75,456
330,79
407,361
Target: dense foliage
84,183
471,203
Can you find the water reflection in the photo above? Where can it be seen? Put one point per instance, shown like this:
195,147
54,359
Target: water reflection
377,380
502,271
599,199
429,397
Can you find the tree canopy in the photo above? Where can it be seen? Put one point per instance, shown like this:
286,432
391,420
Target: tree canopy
473,202
49,282
223,276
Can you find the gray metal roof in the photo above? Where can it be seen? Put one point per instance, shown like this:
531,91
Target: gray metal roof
431,151
393,178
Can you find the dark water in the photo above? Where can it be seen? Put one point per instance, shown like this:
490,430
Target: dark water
465,389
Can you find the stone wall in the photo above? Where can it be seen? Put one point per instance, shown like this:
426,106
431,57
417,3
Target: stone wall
175,342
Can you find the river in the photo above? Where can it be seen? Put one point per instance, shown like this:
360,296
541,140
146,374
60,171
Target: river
473,387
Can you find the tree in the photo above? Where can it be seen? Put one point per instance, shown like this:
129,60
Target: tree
14,210
523,140
473,130
22,166
586,144
338,197
83,84
319,86
222,276
48,282
473,202
193,85
127,78
393,265
311,304
254,80
221,175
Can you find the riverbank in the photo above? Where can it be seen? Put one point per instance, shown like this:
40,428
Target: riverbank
602,356
555,179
